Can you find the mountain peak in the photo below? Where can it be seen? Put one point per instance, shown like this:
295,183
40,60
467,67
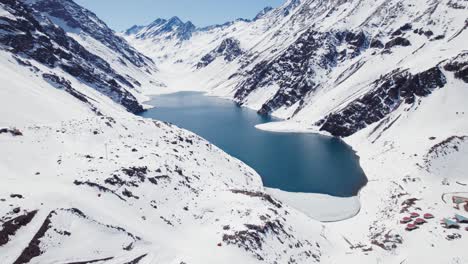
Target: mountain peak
263,12
175,20
173,27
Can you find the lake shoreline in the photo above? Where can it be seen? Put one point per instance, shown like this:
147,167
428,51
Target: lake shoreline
320,207
297,150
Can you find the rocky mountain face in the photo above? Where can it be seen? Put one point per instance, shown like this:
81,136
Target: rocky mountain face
34,36
389,93
172,28
306,50
293,71
74,17
229,50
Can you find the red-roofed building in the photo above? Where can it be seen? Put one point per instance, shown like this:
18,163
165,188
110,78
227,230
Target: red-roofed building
414,215
405,220
411,227
419,221
428,216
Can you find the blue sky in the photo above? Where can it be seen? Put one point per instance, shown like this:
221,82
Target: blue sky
122,14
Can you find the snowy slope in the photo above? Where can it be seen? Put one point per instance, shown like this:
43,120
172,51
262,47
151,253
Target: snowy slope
307,47
82,180
93,34
117,187
85,181
388,76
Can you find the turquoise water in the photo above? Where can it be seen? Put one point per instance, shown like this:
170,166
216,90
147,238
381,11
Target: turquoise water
292,162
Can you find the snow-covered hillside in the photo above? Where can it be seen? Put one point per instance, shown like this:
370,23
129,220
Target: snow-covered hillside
296,54
83,180
388,76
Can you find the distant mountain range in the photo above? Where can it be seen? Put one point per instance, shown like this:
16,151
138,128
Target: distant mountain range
286,59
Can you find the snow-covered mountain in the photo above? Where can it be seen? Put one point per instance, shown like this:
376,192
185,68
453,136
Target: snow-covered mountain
170,29
305,47
390,77
83,180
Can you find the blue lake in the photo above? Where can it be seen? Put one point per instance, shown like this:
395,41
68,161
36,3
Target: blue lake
293,162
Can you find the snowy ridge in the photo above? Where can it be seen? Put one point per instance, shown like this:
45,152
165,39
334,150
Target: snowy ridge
388,76
281,64
78,169
104,186
93,34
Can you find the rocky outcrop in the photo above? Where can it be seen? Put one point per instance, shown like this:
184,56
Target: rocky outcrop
78,18
293,71
229,50
398,41
355,42
173,28
262,13
388,93
459,66
36,37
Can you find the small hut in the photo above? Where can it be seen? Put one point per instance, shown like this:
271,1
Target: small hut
459,200
419,221
450,224
414,215
411,227
466,207
461,219
405,220
428,216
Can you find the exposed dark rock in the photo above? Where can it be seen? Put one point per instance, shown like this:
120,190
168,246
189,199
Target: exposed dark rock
443,148
129,194
97,186
356,43
57,82
137,260
406,27
12,131
292,71
77,17
10,227
62,83
388,93
92,261
439,37
172,28
139,172
459,65
428,33
264,196
252,238
115,181
262,13
398,41
377,44
33,249
36,37
229,50
453,236
155,180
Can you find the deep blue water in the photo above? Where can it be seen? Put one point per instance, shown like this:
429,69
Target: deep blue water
292,162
